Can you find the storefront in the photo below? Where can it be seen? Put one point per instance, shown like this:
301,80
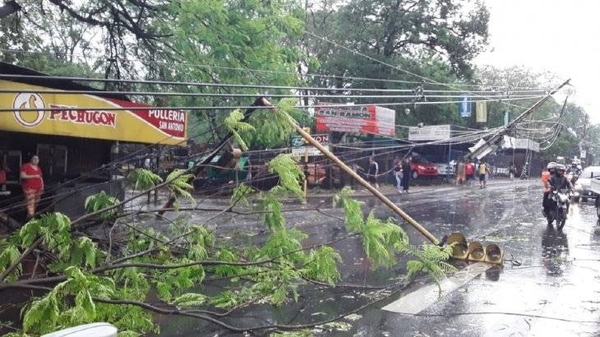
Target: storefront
75,130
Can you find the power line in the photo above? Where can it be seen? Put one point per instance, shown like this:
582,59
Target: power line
241,86
423,78
312,106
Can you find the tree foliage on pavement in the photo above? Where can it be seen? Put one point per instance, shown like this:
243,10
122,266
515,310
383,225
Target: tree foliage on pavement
136,271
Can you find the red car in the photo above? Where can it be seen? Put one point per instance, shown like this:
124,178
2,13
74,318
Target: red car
421,167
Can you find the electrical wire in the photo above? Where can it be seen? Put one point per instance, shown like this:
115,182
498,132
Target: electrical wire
455,86
423,78
235,107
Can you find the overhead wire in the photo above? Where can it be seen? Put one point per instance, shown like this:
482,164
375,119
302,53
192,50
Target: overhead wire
422,78
455,86
244,95
515,97
235,107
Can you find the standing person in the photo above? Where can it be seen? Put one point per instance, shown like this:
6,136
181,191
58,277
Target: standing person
512,171
32,184
398,174
359,171
460,172
406,173
469,171
373,172
4,170
482,170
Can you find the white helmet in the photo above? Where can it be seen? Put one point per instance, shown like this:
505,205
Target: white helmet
551,165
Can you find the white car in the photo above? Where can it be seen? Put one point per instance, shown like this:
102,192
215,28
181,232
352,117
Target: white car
582,185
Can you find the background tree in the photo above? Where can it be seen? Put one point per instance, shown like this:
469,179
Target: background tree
398,43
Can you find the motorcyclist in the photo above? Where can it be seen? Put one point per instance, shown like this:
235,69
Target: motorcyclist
546,176
573,172
559,181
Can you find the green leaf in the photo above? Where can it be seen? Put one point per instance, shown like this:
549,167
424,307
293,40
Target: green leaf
142,179
190,300
99,201
290,174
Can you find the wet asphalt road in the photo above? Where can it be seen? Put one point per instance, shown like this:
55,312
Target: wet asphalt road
551,288
549,284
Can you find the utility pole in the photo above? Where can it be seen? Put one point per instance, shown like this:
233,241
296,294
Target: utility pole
487,145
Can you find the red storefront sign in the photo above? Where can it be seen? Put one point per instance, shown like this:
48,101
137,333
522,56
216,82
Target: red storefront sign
369,119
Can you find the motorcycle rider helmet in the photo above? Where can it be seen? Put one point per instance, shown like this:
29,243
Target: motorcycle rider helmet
551,166
560,169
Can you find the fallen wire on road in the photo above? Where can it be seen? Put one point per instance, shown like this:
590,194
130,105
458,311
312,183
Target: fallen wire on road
512,261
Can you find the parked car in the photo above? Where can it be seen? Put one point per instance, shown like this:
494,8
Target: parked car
421,167
582,186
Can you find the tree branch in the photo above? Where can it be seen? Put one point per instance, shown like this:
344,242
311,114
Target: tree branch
28,251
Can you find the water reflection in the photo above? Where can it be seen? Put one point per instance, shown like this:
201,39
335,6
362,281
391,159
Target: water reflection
555,250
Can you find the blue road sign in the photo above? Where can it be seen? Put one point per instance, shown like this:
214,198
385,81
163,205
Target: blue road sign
465,106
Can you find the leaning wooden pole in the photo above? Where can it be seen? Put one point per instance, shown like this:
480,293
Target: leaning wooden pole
361,181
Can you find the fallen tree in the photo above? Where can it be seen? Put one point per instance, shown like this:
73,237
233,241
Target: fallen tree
134,273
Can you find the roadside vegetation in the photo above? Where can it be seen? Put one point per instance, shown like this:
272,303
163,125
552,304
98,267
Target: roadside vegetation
214,57
78,277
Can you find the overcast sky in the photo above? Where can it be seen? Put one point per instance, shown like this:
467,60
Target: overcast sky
561,36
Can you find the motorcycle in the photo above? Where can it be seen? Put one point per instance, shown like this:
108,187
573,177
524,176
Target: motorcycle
559,207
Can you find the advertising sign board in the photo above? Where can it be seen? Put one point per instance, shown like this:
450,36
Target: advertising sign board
299,148
358,119
429,132
88,116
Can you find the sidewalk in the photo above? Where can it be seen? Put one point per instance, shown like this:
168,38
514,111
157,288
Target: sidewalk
390,189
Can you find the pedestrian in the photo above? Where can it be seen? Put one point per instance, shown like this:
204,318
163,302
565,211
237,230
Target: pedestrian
359,172
469,171
512,171
373,172
32,184
147,163
398,174
460,172
406,173
482,170
4,170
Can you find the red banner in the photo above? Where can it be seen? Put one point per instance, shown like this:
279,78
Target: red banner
171,122
357,119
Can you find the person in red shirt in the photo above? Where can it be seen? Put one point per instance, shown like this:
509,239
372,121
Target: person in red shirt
32,183
469,171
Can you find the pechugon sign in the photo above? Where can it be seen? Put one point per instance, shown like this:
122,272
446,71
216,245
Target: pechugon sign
88,116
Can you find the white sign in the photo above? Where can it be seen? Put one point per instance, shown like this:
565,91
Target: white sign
321,138
429,132
520,143
301,151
